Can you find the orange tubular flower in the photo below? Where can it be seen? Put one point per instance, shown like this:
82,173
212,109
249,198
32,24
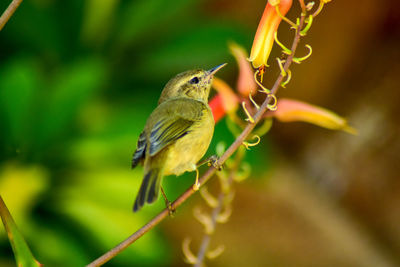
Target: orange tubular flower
293,110
217,108
225,102
245,84
229,98
264,38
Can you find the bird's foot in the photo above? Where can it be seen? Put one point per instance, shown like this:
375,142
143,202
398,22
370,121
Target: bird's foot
168,204
171,210
213,161
196,185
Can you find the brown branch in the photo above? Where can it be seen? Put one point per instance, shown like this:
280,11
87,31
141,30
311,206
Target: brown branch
9,12
207,237
207,175
216,211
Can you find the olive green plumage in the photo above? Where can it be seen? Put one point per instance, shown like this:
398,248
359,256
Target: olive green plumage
177,133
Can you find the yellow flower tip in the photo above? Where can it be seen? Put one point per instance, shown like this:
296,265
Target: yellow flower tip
245,84
264,38
326,1
229,98
292,110
350,130
310,5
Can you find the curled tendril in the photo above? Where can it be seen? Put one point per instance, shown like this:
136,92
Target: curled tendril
263,89
248,145
272,106
249,117
280,63
210,199
204,219
309,21
298,60
225,185
222,175
254,102
321,5
243,173
310,5
189,256
285,50
264,128
289,76
223,217
212,254
291,23
233,124
229,197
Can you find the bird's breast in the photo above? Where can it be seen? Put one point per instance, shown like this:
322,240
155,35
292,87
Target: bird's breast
187,151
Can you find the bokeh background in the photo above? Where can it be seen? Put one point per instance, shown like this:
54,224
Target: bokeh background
78,79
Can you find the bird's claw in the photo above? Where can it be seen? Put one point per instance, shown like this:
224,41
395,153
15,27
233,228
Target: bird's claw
196,185
168,204
213,161
171,210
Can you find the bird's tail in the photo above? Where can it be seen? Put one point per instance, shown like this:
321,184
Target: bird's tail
149,189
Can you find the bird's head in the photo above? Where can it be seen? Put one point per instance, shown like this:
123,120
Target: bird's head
193,84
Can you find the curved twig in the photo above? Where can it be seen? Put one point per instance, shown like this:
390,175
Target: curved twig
9,12
207,175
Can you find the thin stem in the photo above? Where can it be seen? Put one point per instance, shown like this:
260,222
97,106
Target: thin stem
321,5
291,23
216,211
303,7
9,12
207,175
207,237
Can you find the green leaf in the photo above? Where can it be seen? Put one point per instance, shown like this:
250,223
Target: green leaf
72,89
22,253
140,16
20,80
98,16
205,47
93,197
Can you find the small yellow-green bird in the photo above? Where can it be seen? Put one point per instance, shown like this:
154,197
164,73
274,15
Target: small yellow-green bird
177,133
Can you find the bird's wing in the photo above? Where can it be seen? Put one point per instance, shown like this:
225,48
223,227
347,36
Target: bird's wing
173,120
140,150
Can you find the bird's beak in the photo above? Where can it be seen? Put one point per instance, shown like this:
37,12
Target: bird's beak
215,69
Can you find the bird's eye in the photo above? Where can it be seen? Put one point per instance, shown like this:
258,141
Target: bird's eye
194,80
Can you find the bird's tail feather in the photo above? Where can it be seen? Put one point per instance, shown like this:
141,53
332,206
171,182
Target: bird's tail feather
149,189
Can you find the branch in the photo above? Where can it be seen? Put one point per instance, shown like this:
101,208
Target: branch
9,12
207,175
217,210
207,237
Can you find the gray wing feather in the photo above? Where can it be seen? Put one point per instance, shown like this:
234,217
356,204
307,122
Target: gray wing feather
140,150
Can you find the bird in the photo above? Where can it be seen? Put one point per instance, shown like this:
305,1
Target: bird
177,133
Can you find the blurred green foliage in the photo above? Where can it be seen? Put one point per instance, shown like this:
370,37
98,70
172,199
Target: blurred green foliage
22,253
77,82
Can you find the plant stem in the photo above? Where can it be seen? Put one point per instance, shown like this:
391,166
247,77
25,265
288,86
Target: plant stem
207,175
207,237
9,12
217,210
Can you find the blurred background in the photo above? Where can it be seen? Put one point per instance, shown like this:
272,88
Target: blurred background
79,78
